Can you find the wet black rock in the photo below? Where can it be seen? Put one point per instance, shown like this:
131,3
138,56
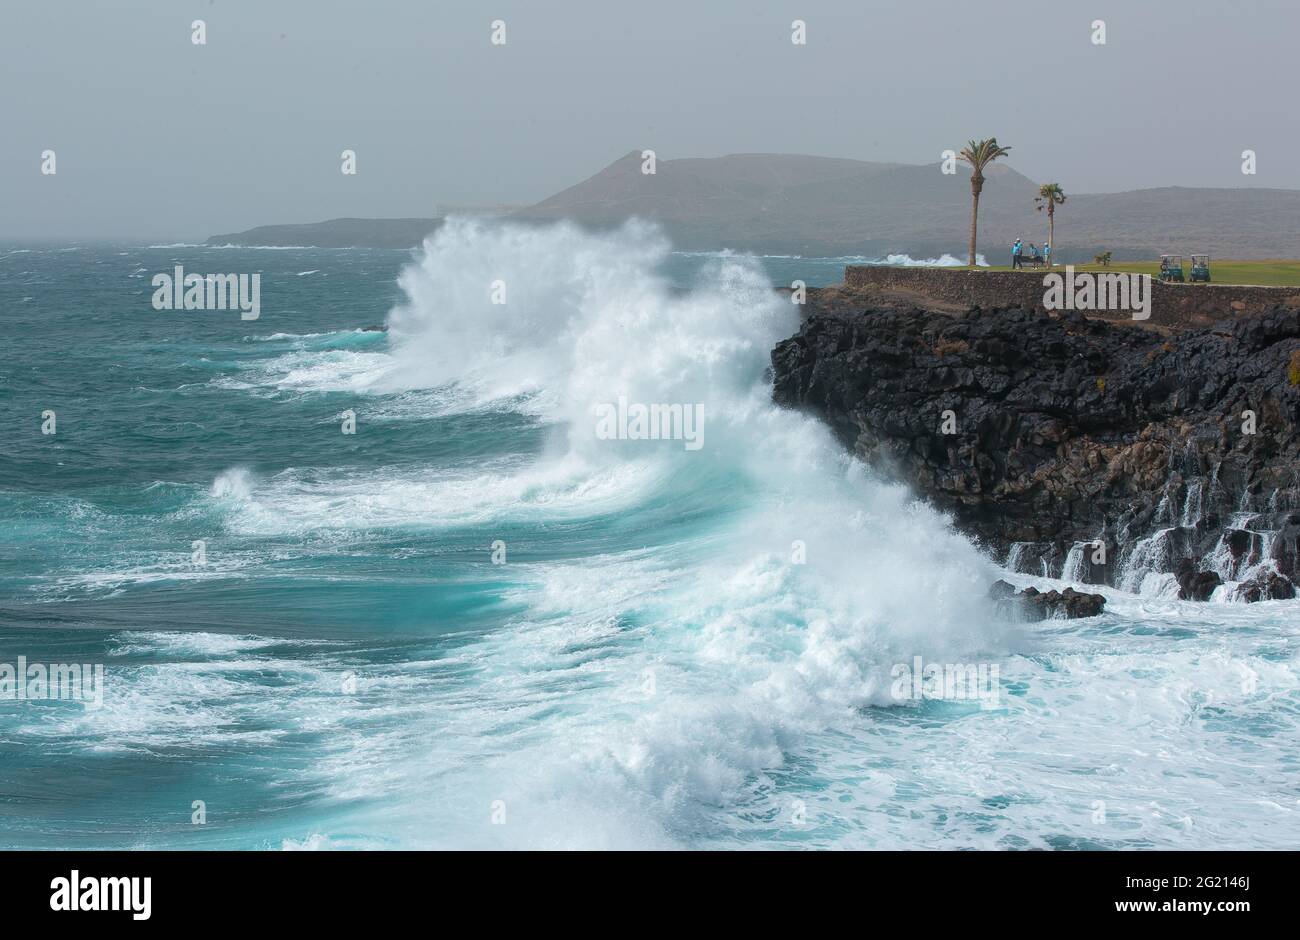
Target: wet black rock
1001,590
1196,585
1032,604
1074,446
1265,586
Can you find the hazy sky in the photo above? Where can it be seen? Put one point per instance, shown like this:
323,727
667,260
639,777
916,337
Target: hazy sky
159,138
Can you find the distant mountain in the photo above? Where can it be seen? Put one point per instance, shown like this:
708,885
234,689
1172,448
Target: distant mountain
1227,223
791,204
771,202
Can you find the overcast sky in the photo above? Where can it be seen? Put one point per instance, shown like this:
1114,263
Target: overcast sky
156,137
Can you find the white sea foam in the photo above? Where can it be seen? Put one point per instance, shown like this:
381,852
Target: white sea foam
697,688
192,643
753,652
313,370
301,502
943,261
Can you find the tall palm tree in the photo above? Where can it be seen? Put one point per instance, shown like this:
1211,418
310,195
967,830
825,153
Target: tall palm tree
1050,195
979,154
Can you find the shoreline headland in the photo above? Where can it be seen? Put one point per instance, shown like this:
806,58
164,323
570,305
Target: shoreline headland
1067,445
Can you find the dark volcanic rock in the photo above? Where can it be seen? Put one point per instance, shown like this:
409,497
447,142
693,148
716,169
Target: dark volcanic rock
1069,603
1001,590
1033,604
1265,586
1196,585
1047,437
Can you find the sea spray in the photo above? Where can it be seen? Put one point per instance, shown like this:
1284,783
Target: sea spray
664,660
750,652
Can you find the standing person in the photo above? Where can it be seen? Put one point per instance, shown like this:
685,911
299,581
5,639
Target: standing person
1047,253
1015,254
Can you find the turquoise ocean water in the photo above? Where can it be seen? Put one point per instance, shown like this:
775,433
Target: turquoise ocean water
474,623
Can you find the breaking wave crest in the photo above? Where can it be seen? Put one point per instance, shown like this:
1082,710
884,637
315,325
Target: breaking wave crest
779,584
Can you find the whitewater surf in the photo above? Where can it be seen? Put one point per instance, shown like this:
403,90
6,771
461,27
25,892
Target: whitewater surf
481,622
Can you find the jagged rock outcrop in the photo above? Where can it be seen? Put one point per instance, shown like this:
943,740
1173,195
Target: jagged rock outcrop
1265,586
1032,604
1194,585
1102,452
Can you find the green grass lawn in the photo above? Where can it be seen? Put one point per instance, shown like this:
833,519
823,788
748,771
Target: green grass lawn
1263,273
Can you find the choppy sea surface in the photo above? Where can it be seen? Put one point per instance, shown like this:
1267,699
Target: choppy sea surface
476,622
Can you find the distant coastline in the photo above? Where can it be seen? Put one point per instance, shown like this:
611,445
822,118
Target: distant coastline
348,232
335,233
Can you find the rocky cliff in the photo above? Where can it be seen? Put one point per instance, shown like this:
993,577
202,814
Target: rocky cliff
1076,447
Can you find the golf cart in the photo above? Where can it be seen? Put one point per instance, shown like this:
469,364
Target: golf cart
1171,268
1200,268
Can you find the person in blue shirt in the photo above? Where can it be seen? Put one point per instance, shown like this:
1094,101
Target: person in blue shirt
1047,254
1015,254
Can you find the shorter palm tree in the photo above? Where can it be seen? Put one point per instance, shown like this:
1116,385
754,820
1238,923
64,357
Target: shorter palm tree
1050,195
979,154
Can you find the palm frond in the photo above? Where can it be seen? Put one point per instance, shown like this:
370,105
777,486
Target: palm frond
1049,192
980,153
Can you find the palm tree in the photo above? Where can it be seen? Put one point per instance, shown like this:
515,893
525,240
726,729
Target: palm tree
979,154
1050,195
